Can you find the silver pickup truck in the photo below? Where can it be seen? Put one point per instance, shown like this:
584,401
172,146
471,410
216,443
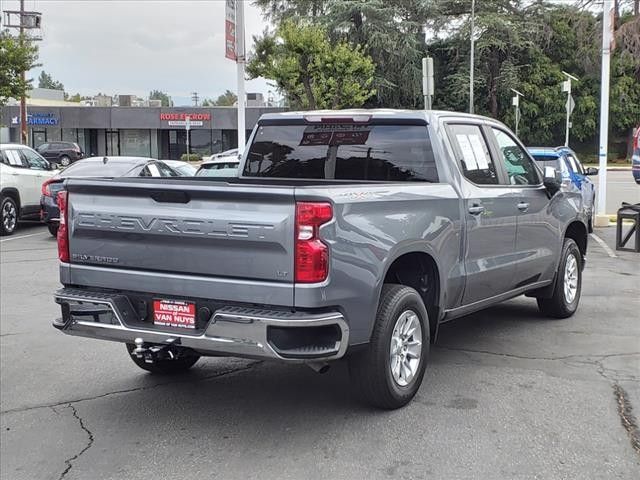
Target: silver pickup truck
348,234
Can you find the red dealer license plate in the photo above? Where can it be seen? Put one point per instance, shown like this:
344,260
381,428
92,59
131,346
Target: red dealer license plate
174,313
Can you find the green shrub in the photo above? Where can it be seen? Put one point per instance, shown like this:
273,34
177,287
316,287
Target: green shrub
191,157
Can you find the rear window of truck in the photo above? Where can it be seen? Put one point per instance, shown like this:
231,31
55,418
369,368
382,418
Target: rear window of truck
342,152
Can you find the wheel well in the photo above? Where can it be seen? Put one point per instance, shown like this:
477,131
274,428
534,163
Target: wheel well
13,193
419,271
578,232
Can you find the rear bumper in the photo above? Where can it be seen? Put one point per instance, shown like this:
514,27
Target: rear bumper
231,331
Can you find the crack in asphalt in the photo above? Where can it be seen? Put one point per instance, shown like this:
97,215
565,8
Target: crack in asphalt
84,449
525,357
129,390
625,412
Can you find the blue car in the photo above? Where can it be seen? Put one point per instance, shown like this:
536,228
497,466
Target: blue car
574,175
635,159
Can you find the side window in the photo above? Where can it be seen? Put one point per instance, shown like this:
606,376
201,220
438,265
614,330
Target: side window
576,166
165,170
520,168
3,158
475,160
14,159
33,160
145,172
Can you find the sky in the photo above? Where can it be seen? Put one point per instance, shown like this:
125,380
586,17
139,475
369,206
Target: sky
135,46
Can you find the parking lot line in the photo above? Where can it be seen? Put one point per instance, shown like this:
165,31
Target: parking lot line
604,245
21,236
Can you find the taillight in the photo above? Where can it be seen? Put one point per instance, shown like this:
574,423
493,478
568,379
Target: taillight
63,232
45,188
312,255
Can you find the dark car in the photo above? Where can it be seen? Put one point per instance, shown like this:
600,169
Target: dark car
62,153
103,167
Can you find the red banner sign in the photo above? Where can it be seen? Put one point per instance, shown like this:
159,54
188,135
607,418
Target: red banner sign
230,30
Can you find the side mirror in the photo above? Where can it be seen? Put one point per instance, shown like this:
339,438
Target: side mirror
591,171
552,180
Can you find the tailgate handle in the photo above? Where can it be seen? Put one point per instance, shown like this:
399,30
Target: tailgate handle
170,197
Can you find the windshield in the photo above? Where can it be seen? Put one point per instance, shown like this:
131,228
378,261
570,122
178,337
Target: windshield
343,152
97,168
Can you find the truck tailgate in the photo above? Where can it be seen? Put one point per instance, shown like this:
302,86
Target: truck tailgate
186,227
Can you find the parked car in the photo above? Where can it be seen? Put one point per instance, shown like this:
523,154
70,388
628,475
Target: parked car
347,234
108,167
574,174
22,171
220,167
184,169
635,158
227,153
61,153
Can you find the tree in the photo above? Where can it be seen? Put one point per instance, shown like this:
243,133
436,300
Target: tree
15,57
46,81
227,99
391,32
159,95
311,71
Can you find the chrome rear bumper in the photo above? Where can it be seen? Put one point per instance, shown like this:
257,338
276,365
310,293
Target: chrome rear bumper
231,331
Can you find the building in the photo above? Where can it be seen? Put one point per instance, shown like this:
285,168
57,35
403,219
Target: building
151,132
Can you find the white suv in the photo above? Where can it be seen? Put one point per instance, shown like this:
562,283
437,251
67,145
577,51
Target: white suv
22,172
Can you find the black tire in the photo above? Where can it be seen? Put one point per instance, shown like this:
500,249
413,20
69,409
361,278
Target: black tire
9,215
558,305
64,161
370,369
53,229
165,366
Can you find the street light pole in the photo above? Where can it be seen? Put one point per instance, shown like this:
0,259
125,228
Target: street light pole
241,60
23,100
566,87
471,60
516,103
601,219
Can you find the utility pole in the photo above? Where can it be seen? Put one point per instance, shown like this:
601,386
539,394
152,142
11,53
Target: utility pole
471,66
566,87
601,219
195,98
241,65
25,21
23,100
515,101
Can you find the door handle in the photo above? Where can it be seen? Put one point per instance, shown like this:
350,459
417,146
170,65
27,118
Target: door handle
523,206
476,209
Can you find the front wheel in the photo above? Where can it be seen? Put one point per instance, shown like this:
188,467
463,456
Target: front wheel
566,293
9,220
388,373
65,161
181,362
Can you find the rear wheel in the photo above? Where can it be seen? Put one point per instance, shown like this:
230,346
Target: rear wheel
388,373
9,212
53,229
65,161
182,361
566,293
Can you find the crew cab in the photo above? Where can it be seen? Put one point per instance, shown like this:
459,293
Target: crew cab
348,234
22,172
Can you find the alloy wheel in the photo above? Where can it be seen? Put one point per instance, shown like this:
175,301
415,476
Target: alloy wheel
406,348
9,216
570,278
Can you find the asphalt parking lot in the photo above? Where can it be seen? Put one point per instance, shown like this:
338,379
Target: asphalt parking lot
508,395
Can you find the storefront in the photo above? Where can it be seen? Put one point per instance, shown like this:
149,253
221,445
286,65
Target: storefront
135,131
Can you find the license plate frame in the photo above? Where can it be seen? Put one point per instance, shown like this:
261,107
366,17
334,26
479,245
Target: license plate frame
168,312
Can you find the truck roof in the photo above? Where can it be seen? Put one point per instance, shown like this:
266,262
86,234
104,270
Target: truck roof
428,115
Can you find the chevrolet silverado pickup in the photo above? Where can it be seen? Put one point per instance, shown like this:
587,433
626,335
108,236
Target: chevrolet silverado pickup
347,234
